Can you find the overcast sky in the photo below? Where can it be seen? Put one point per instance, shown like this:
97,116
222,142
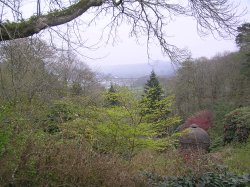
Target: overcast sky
181,32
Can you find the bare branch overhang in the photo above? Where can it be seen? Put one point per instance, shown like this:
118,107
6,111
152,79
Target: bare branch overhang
25,28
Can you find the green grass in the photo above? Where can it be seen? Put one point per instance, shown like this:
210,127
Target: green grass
238,159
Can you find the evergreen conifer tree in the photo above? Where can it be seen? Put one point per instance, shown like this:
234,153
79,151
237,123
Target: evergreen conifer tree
112,97
156,107
153,93
112,88
243,42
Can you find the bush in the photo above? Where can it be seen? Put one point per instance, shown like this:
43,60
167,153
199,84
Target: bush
237,125
62,111
212,179
238,160
47,162
4,138
5,130
52,128
204,119
121,132
173,163
220,109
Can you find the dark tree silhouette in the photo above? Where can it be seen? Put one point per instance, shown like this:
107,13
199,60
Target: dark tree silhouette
112,97
243,42
153,93
243,37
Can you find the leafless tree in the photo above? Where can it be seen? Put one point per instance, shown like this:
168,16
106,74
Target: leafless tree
24,73
205,83
76,75
145,17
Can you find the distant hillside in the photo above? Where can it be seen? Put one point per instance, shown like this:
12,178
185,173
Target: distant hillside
139,70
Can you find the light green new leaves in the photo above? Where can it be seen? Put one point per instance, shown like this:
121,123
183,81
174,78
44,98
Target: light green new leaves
124,130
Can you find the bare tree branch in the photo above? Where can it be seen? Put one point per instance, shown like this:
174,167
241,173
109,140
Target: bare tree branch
145,17
13,30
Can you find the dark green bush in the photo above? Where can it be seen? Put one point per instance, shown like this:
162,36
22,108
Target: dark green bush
4,138
237,125
59,112
62,111
52,128
222,178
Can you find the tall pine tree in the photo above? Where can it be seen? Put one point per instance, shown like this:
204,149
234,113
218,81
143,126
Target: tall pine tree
112,97
155,107
153,93
243,42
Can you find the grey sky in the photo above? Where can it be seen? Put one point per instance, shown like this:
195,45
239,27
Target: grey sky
182,32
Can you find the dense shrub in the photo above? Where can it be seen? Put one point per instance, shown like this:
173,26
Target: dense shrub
173,163
237,125
211,179
4,139
204,119
61,111
237,159
52,128
52,163
5,131
220,109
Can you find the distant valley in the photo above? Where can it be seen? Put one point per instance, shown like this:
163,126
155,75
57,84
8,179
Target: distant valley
128,71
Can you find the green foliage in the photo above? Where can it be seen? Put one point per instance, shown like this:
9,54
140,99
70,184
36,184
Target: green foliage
237,125
5,134
123,130
6,109
243,37
153,82
112,97
156,109
52,128
209,179
243,42
12,124
62,111
117,129
221,108
238,158
78,128
160,114
123,135
76,89
153,93
86,139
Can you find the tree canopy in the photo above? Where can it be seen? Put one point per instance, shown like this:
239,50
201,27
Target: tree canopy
145,17
243,42
156,108
153,89
243,37
112,97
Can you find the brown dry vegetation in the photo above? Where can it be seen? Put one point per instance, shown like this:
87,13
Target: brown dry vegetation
74,163
65,164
